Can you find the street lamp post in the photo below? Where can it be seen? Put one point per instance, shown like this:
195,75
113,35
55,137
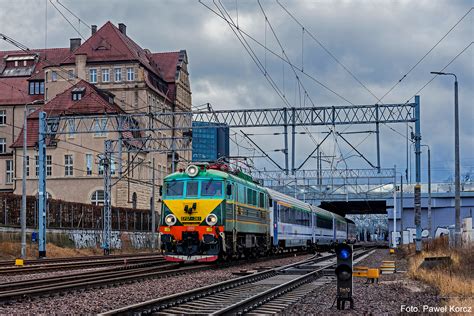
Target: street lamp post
23,181
457,183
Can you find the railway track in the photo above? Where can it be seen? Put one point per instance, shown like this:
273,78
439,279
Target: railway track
9,263
78,282
80,264
266,292
56,285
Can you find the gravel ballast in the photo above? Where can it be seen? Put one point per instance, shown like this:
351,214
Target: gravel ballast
384,298
101,300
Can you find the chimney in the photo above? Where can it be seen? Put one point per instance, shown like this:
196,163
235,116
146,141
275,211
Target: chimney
93,29
122,28
74,43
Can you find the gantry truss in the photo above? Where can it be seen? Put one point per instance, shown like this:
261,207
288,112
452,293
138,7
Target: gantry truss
272,117
315,186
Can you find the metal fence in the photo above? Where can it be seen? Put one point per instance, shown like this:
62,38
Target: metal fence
71,215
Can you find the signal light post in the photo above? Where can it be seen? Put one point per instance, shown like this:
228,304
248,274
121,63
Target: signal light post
344,275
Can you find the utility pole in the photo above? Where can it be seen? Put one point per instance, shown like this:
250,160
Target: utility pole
394,238
430,225
417,192
23,187
42,185
23,180
153,224
401,209
107,220
457,182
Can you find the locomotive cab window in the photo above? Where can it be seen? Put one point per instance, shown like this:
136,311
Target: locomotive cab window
211,188
192,188
261,200
174,188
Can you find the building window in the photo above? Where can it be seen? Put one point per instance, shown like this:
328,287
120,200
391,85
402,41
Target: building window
9,171
49,165
130,74
36,87
101,168
88,164
105,75
76,96
54,76
71,127
118,74
3,145
27,166
100,127
98,197
93,75
70,74
36,165
134,200
68,165
3,117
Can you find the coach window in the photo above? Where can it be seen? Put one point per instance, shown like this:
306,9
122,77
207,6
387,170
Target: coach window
192,188
174,188
323,222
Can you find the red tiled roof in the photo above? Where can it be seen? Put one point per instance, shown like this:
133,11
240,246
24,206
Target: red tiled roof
93,101
109,44
167,63
14,90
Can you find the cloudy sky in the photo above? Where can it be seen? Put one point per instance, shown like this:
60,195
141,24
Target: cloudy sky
377,41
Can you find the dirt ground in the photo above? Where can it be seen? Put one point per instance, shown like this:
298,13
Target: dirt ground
12,250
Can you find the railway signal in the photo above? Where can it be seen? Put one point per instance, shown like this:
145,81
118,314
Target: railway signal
344,275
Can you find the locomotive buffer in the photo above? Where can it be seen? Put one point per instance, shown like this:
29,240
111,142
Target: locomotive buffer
344,275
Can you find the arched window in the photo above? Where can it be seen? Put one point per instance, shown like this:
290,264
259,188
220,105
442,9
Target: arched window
97,198
134,200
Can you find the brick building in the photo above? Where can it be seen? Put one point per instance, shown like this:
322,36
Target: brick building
108,73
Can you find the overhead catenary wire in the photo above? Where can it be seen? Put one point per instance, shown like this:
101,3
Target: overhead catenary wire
426,54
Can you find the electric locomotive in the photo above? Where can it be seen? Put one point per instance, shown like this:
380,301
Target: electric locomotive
210,211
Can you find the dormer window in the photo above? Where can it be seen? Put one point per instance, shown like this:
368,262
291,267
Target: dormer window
36,87
77,93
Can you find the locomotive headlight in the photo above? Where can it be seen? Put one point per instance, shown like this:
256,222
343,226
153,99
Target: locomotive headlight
170,219
211,219
192,171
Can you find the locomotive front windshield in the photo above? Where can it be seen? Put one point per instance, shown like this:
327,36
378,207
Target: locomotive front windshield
194,188
174,188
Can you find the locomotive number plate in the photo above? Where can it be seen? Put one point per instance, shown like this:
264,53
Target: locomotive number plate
191,218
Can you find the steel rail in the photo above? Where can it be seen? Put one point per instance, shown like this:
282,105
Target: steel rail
74,259
97,282
174,300
266,296
79,276
74,265
155,305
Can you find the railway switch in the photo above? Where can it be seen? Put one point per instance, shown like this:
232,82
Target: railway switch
343,271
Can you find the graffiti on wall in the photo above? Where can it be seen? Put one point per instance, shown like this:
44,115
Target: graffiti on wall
93,239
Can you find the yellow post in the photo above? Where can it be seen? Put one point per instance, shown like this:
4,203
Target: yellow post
19,262
392,251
